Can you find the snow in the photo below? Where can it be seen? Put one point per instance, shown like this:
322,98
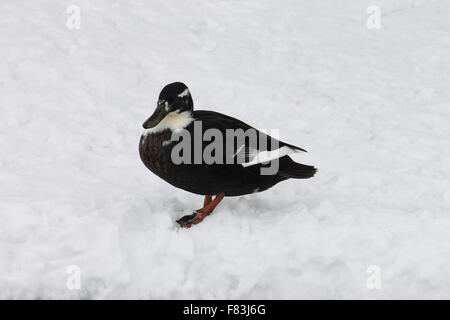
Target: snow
370,106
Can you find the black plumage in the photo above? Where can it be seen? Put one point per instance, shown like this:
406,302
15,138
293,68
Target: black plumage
210,179
220,178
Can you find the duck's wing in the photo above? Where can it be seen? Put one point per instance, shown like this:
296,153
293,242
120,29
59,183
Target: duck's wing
242,142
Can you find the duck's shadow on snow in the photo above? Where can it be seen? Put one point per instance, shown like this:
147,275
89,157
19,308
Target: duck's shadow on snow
162,212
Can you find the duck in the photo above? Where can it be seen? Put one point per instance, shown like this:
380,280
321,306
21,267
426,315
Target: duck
212,154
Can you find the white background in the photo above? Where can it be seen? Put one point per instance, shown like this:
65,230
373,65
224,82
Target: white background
371,107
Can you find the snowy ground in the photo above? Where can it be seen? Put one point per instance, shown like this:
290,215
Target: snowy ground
372,107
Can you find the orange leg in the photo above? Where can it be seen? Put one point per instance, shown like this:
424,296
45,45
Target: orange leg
207,201
200,214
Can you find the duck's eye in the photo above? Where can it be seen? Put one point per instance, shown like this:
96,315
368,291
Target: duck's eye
163,104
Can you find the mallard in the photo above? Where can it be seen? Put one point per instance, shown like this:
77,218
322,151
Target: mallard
174,121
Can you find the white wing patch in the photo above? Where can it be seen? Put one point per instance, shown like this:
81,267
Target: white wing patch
257,156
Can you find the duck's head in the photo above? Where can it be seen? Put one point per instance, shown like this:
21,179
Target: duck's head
174,99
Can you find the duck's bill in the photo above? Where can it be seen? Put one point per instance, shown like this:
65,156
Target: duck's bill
156,118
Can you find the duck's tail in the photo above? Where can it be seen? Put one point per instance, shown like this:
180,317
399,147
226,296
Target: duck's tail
291,169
